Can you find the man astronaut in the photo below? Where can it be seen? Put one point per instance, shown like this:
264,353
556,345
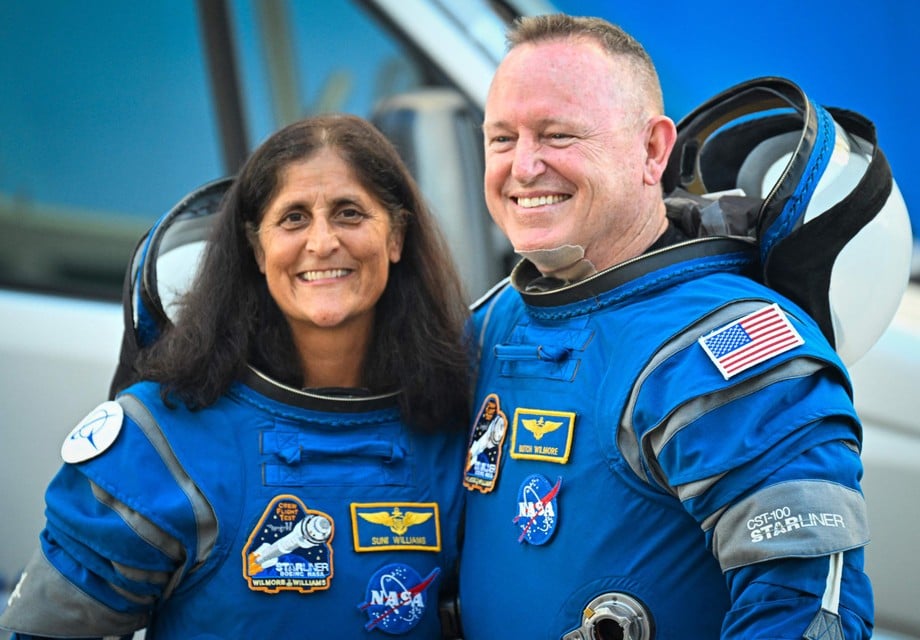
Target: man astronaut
704,478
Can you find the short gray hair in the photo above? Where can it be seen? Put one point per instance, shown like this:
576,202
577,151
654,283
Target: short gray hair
611,38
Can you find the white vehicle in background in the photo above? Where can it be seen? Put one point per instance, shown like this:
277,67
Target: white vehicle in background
125,133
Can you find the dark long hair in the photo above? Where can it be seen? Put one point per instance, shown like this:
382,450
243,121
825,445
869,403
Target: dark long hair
228,319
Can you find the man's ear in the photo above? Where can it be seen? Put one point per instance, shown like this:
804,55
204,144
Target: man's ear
661,134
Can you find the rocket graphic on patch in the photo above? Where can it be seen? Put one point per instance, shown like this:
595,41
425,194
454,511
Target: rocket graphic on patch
290,549
485,449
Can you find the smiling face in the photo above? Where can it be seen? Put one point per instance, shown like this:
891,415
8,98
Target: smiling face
325,246
567,152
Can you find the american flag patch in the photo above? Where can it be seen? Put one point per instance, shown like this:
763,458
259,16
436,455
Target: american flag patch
753,339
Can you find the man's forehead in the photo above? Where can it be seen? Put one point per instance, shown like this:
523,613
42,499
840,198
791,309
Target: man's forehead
538,123
557,50
534,69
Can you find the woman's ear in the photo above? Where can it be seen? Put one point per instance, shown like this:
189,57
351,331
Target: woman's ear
661,136
252,236
397,237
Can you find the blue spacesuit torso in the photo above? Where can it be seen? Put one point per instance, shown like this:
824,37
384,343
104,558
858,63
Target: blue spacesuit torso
273,513
610,455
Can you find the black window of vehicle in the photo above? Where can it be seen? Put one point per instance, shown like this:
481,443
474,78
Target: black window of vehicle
109,115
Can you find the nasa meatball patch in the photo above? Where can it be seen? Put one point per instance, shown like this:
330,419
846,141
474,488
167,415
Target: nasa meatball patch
396,598
537,509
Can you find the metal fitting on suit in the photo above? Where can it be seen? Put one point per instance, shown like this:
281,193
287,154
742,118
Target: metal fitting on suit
613,616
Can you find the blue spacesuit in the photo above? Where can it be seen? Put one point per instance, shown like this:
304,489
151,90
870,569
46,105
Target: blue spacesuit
273,513
681,459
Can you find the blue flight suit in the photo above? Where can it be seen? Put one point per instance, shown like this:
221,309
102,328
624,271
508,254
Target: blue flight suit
714,504
273,513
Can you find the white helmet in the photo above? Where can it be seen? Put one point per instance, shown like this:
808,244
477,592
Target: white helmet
832,226
162,268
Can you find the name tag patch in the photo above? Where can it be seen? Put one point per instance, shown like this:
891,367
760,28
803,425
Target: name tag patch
396,526
539,434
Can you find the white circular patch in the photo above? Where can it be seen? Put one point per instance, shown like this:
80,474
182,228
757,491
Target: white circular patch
94,434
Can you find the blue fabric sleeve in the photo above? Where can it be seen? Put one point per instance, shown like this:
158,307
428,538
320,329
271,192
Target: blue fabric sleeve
751,450
110,547
91,543
777,600
806,503
116,541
